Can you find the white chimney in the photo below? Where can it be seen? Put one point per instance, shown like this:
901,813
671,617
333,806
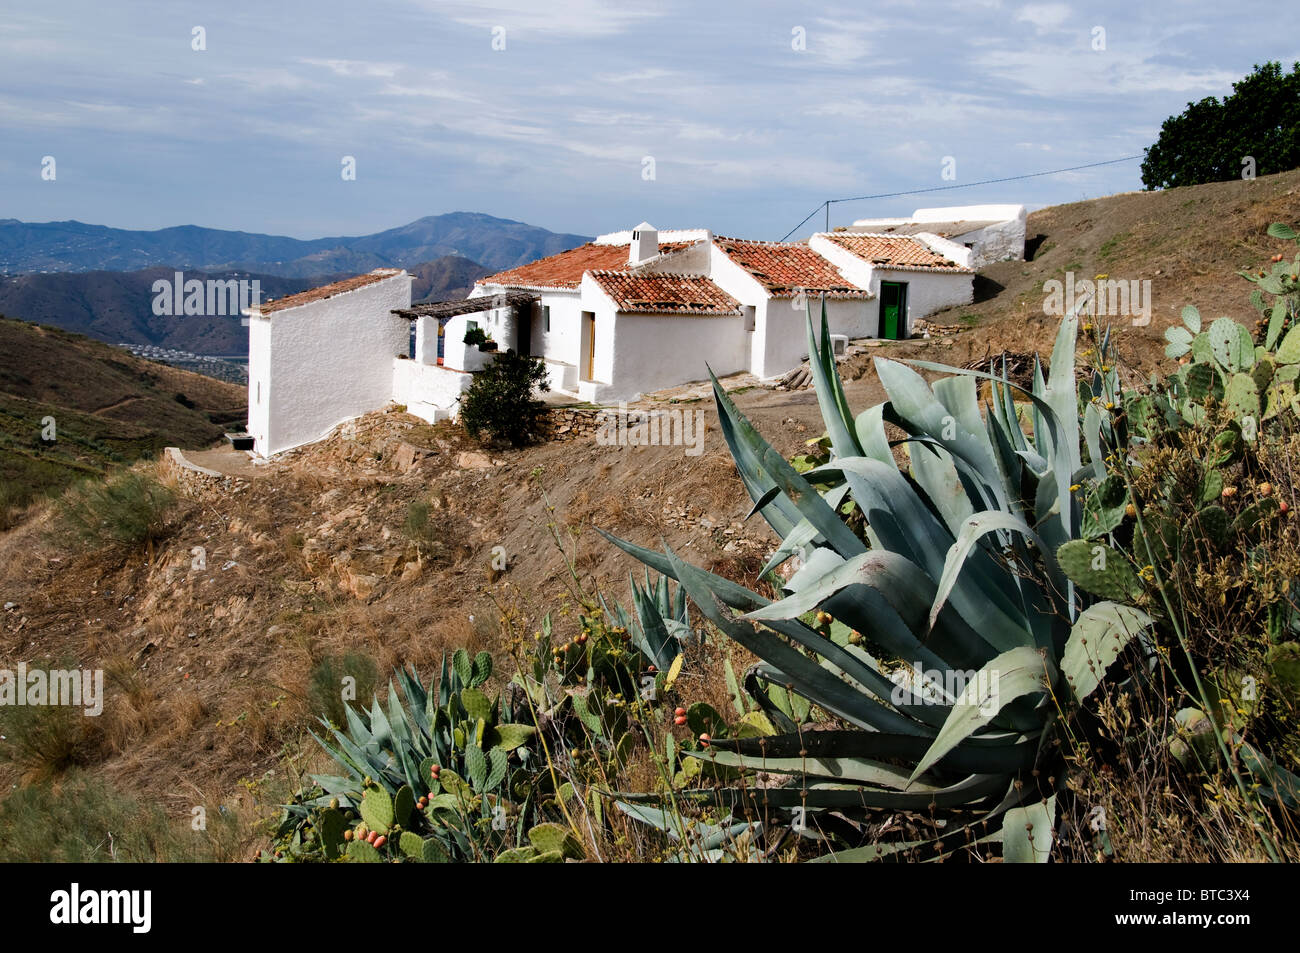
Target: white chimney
645,244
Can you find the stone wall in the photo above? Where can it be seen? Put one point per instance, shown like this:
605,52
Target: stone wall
570,423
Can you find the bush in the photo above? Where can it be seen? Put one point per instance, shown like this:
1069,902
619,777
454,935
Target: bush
476,336
1208,141
126,510
501,403
325,689
45,740
82,820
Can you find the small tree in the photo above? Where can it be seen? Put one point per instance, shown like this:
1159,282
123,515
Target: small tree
501,401
1259,124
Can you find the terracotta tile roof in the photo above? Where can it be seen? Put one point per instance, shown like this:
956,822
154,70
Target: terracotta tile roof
899,252
665,294
786,268
327,291
566,269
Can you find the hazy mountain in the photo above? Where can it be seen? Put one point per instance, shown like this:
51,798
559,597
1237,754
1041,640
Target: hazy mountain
72,246
117,306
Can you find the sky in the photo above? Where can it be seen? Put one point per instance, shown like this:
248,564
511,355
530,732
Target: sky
588,116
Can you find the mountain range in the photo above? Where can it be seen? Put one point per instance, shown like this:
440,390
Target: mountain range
98,281
117,306
495,243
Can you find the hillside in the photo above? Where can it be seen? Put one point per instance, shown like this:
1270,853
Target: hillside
108,407
497,243
1188,242
313,557
117,306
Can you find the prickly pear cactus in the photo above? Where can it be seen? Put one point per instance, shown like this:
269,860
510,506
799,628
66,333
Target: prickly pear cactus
1099,569
377,809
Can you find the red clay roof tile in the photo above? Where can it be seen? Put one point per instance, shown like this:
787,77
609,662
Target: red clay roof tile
895,251
788,268
566,269
666,294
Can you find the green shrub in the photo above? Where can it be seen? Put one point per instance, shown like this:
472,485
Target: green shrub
44,740
82,820
501,402
325,686
126,510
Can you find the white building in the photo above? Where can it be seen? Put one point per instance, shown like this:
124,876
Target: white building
629,313
991,232
323,356
641,310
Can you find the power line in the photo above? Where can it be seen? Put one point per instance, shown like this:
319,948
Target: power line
944,188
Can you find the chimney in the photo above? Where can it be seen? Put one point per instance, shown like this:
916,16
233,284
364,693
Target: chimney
645,244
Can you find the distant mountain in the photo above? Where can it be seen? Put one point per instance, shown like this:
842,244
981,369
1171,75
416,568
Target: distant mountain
445,279
497,243
117,306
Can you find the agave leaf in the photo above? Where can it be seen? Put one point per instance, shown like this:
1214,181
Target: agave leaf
1027,833
762,467
748,453
1008,752
1099,635
810,679
830,391
1011,675
972,530
865,770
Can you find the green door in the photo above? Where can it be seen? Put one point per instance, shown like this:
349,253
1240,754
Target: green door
893,309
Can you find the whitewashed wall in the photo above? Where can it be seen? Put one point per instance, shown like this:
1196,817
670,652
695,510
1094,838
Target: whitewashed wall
927,292
328,361
652,351
428,391
785,329
259,382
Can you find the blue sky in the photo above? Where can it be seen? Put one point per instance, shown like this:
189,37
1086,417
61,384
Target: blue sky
747,133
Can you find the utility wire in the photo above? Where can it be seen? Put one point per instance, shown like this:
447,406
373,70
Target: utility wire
944,188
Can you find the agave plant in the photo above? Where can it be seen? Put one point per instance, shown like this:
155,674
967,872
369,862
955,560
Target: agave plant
660,626
949,573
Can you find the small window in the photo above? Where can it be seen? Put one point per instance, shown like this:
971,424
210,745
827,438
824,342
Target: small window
259,392
749,317
471,326
546,318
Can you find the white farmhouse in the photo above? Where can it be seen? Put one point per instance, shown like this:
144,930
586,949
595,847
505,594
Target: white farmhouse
991,232
323,356
640,310
629,313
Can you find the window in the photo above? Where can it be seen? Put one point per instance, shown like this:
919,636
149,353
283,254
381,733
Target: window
546,318
749,317
259,392
471,326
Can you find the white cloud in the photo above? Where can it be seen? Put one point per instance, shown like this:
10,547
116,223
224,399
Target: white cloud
1045,17
353,68
558,18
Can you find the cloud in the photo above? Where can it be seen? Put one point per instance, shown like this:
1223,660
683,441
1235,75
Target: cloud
352,68
558,18
1045,17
